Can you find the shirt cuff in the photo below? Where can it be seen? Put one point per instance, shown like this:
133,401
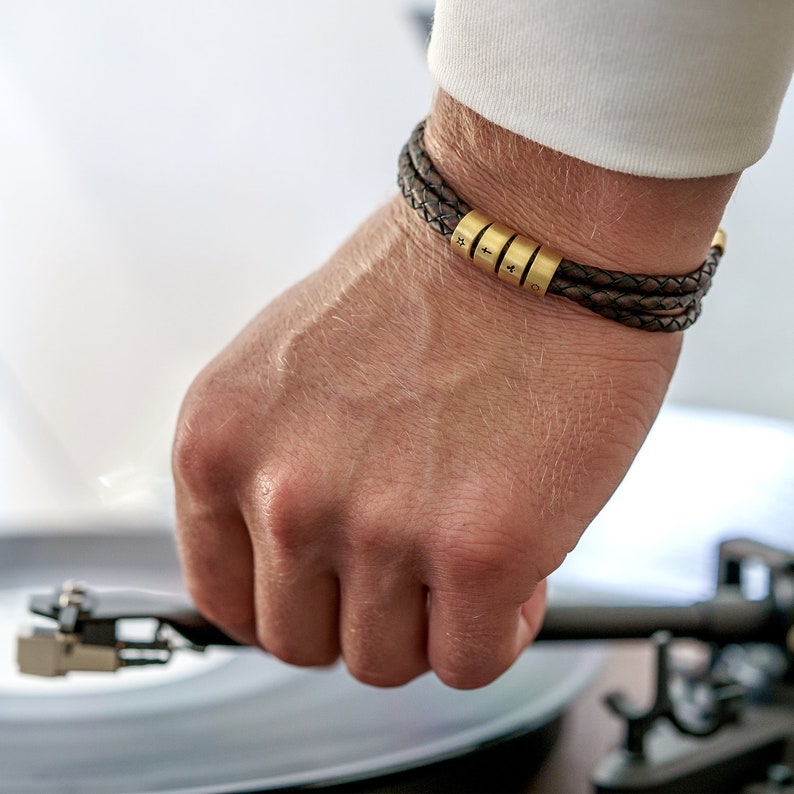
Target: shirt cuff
662,88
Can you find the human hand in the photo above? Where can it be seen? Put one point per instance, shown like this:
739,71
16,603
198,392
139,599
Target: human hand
390,459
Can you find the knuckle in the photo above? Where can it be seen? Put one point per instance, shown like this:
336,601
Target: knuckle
474,558
373,541
287,508
200,448
475,539
301,513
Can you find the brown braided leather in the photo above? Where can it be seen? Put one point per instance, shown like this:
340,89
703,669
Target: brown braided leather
647,302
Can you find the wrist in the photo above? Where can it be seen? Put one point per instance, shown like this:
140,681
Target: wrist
594,216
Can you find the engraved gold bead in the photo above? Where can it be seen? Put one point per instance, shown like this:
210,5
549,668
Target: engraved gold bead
468,231
542,270
488,249
516,260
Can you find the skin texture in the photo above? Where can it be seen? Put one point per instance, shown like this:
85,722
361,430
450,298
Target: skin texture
389,459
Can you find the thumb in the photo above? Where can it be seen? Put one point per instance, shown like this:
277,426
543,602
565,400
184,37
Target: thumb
532,614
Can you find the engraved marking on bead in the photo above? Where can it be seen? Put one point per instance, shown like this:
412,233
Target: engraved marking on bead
542,270
490,246
516,259
468,232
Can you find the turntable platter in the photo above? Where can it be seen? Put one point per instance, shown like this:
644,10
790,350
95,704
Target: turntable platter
235,719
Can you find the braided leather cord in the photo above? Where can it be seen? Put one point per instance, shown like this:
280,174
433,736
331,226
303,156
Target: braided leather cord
647,302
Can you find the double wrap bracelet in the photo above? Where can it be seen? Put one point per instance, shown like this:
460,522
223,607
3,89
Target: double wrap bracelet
647,302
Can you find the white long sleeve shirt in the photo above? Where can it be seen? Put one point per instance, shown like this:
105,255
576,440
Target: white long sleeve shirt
664,88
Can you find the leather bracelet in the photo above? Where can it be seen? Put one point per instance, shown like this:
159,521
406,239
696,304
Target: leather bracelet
647,302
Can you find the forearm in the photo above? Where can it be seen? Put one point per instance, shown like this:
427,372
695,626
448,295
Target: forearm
593,215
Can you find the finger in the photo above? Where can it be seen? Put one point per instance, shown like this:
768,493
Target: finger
296,591
297,615
217,562
213,539
383,626
297,605
472,640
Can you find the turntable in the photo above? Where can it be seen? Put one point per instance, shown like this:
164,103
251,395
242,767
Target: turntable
719,716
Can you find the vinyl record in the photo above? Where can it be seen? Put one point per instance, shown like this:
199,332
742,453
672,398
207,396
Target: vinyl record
232,720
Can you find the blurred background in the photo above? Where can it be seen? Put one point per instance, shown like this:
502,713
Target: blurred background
151,153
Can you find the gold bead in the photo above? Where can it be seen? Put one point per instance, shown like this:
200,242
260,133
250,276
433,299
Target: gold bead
516,260
719,240
542,271
490,246
467,231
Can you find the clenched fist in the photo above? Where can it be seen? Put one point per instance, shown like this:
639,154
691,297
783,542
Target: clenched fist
390,459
